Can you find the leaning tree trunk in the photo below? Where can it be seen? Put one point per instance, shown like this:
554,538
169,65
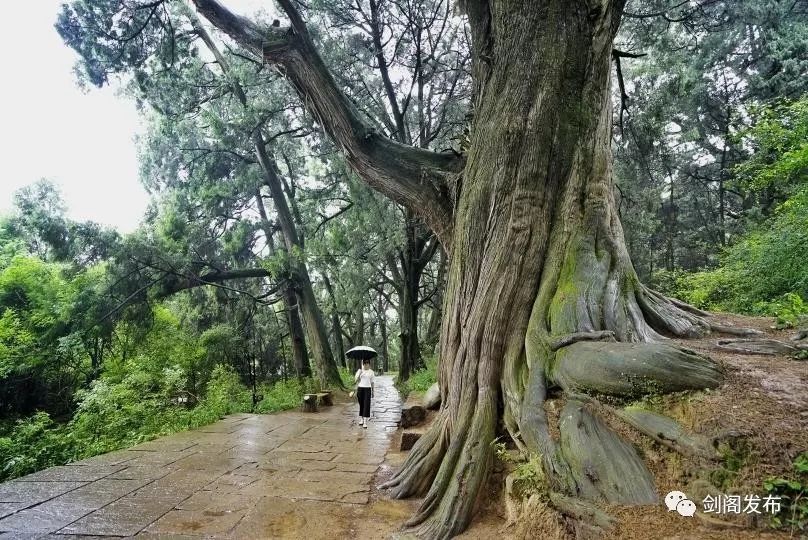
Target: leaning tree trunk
539,265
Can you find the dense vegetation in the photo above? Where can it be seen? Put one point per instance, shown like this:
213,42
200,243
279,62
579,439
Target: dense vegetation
290,222
764,272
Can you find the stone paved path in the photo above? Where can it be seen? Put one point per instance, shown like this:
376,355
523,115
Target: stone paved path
285,475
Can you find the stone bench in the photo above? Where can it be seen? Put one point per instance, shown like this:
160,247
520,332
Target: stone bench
312,401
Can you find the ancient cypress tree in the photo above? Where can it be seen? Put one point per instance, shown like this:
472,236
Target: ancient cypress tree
541,293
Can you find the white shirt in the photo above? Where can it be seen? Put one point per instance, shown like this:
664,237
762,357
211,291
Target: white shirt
365,378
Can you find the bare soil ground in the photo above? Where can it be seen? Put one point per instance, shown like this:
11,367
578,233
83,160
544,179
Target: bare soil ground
762,407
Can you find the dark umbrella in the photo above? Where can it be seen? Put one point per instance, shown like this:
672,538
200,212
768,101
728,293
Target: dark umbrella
361,352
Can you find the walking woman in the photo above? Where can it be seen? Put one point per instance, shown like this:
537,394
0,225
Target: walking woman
364,391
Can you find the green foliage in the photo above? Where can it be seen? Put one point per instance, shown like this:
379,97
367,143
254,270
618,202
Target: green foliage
347,377
283,395
780,138
528,477
113,415
735,455
31,445
793,493
528,474
422,379
764,272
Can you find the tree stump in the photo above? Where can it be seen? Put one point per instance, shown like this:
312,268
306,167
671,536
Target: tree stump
310,403
412,413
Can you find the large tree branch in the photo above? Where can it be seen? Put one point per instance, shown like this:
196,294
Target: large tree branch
410,176
182,282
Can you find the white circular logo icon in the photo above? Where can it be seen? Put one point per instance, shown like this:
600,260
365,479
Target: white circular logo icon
676,500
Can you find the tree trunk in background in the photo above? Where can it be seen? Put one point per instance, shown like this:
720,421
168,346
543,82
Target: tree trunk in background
300,356
317,336
325,367
410,359
336,325
382,313
436,314
419,247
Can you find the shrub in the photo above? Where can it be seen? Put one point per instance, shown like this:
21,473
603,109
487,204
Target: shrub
33,444
793,493
420,380
281,396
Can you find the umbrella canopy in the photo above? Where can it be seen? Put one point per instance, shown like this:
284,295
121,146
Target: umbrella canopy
361,352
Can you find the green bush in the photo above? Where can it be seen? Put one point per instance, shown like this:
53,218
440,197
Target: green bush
281,396
33,444
763,274
113,415
420,380
347,377
793,493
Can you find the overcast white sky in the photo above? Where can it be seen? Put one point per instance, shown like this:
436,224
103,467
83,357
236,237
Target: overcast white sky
49,128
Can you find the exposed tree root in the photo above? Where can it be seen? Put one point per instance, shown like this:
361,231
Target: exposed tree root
632,369
662,429
565,341
582,511
416,474
734,330
604,466
667,432
770,347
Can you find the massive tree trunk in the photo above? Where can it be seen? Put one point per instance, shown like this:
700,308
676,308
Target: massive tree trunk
539,260
538,263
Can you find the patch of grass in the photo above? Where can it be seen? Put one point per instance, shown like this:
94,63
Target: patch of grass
735,455
793,493
281,396
347,377
420,380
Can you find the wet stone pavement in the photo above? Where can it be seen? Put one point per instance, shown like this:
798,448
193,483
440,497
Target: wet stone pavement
285,475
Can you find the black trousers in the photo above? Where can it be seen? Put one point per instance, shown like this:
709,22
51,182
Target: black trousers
363,397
